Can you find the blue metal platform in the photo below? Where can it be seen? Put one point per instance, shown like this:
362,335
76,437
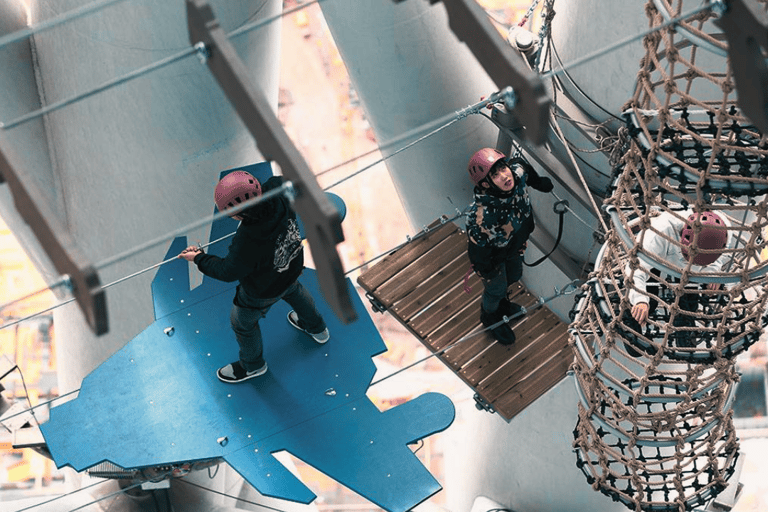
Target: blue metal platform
158,402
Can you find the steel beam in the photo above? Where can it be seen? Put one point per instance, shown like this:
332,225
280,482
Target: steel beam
57,243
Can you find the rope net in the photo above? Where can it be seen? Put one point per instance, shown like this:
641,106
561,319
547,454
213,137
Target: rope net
655,428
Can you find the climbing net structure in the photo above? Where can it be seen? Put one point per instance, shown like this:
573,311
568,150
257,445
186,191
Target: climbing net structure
655,427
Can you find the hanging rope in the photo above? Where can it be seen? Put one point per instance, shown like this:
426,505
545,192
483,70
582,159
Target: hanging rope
598,212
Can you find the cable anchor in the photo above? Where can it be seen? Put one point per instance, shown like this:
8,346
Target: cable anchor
203,52
561,206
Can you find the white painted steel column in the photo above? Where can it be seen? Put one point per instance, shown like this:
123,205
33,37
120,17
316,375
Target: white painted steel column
409,69
139,160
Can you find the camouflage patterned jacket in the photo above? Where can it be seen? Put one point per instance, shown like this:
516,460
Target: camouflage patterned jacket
498,226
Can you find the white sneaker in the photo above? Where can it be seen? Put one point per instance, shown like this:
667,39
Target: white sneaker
320,337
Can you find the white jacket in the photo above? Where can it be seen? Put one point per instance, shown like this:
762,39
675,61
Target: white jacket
670,226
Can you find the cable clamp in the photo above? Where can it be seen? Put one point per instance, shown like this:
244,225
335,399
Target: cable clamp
66,283
718,7
568,289
202,51
290,191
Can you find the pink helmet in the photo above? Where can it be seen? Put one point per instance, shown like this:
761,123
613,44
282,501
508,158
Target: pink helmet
481,162
711,237
235,188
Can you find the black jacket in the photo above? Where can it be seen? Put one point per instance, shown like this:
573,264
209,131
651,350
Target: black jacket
266,256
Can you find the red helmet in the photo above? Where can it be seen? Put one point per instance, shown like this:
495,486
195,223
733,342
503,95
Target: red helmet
235,188
712,236
481,162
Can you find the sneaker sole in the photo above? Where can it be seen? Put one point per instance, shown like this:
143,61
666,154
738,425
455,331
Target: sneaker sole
294,324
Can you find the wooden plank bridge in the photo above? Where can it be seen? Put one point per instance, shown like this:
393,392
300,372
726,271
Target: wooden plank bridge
422,285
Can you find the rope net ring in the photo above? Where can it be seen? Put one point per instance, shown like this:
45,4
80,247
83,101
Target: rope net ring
655,428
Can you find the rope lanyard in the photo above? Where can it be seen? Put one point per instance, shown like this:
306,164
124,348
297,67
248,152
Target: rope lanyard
560,207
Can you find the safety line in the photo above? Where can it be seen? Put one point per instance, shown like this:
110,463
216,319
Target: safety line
529,13
229,496
26,394
441,123
192,50
258,24
409,239
108,285
41,404
61,496
286,188
56,105
382,159
567,290
626,41
55,21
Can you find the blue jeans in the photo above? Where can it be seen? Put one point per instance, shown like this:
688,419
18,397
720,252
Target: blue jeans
247,311
498,282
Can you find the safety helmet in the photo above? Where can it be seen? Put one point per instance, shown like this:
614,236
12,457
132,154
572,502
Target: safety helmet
481,162
235,188
712,236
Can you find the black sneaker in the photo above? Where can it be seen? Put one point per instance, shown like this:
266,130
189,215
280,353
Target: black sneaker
320,337
510,309
234,372
503,332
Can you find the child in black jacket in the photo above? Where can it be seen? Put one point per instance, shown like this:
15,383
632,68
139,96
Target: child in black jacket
266,257
498,226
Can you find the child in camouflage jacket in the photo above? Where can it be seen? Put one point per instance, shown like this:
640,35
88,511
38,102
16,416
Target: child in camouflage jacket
498,226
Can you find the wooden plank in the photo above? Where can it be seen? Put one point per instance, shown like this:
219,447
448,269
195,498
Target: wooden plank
444,330
428,292
396,261
448,309
422,286
461,356
475,369
501,382
430,263
529,390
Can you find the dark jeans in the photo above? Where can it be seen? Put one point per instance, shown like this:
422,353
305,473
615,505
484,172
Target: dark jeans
498,282
247,311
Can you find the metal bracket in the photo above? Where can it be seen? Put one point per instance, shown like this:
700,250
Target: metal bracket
482,405
321,219
503,64
57,244
376,304
746,26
